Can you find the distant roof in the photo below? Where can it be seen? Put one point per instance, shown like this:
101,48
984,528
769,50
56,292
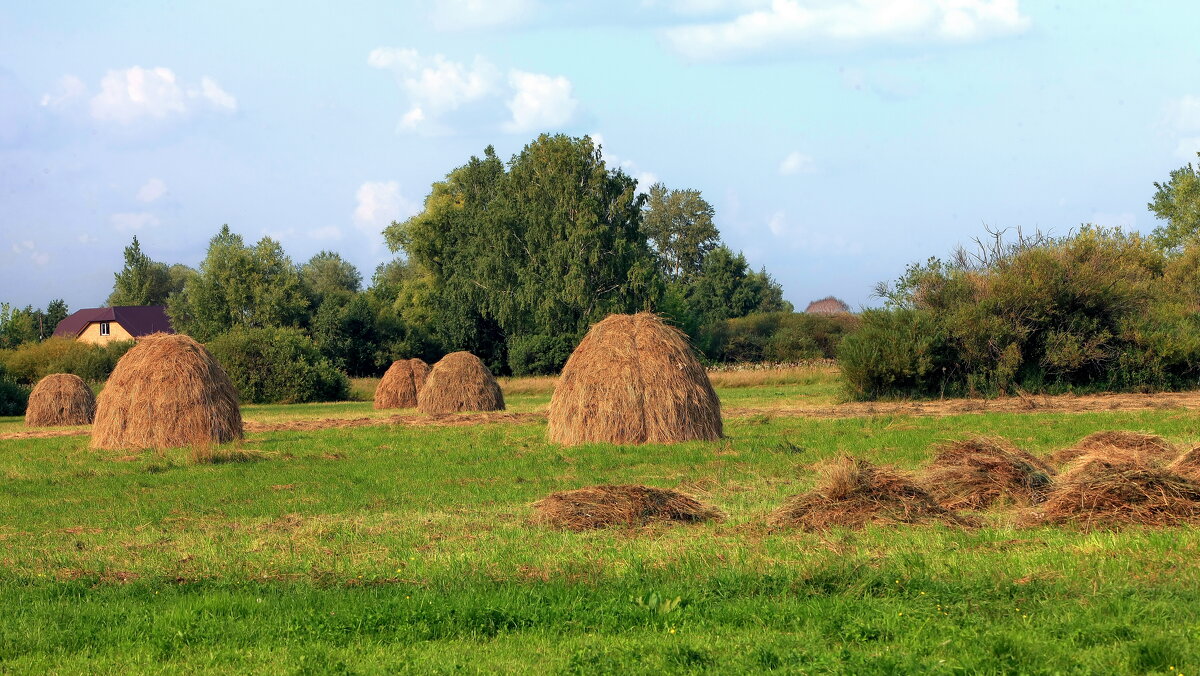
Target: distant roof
138,320
827,306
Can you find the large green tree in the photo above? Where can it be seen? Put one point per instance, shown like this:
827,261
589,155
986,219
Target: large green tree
679,223
542,247
726,288
328,276
142,281
1178,203
240,286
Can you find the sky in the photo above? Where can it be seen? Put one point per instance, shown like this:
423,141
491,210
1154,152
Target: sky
838,141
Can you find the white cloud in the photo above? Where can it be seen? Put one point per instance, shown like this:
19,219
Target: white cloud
815,241
152,190
541,102
70,89
796,163
137,93
29,248
435,85
327,232
644,178
380,203
133,220
791,24
456,15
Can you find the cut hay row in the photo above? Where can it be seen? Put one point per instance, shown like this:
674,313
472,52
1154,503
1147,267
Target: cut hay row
625,505
60,399
978,473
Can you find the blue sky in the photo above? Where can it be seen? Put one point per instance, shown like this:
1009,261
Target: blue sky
838,141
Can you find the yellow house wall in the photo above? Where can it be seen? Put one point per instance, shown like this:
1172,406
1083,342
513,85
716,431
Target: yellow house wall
115,332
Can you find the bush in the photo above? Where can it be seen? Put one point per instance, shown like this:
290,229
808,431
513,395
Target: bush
13,397
31,362
538,355
776,337
278,365
1098,310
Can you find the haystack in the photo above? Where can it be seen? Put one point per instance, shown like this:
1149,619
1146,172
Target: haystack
852,492
1188,464
977,473
625,505
60,399
633,380
459,382
1150,447
167,392
1121,488
399,386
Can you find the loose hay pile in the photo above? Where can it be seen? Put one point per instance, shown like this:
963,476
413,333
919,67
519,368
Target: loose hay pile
633,380
399,386
1188,464
852,492
1116,488
1150,447
625,505
60,399
977,473
167,392
459,382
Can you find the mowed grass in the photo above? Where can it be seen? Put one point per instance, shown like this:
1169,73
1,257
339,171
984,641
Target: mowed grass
408,549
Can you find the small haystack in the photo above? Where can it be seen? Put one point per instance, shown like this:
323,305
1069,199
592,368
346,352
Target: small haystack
1187,465
633,380
459,382
167,392
1151,447
1113,488
60,399
852,492
976,473
626,505
399,386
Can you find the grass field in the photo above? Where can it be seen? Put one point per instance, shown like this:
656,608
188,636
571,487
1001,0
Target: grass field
385,549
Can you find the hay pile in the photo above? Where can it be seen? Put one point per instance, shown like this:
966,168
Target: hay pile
60,399
633,380
459,382
977,473
167,392
1120,487
1151,448
399,386
852,492
1188,464
626,505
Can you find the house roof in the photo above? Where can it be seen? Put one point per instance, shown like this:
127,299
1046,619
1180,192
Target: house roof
827,306
138,320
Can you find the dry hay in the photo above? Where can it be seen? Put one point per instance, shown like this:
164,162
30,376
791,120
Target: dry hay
60,399
625,505
459,382
633,380
1151,448
399,386
167,392
1187,465
977,473
852,492
1114,487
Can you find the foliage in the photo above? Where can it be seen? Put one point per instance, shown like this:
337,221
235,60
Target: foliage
328,276
33,361
538,355
1101,309
18,325
144,281
1178,203
13,396
725,287
776,337
679,224
239,287
273,364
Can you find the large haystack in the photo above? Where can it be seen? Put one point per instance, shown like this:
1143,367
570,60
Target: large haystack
399,386
852,492
167,392
633,380
60,399
459,382
976,473
1114,488
1150,447
626,505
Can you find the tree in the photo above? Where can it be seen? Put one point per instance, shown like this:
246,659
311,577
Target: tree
1178,203
56,311
142,281
17,325
239,286
328,276
679,223
725,288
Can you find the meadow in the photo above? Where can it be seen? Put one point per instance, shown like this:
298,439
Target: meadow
409,548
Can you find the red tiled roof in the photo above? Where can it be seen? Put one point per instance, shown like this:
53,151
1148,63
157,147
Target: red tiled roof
138,320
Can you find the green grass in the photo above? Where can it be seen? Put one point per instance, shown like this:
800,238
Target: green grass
408,549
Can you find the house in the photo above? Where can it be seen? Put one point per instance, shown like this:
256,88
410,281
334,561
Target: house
827,306
102,325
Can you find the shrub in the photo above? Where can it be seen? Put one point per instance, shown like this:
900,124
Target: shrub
31,362
776,336
13,397
278,365
538,355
